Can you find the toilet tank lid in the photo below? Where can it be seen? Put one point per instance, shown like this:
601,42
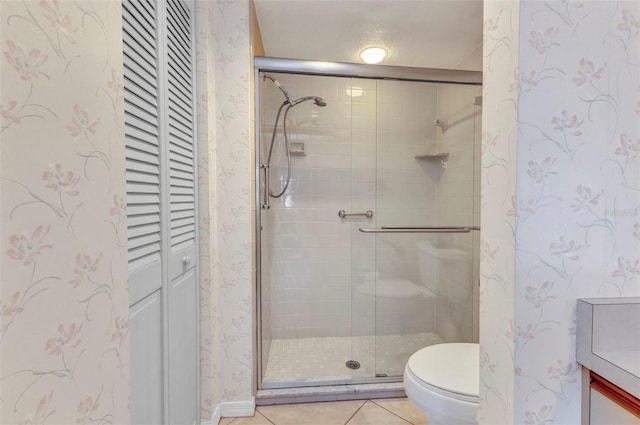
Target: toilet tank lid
452,367
440,252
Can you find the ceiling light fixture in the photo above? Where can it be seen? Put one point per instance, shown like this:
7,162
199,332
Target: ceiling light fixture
373,54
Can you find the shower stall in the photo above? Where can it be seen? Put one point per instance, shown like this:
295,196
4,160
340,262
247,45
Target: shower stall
367,218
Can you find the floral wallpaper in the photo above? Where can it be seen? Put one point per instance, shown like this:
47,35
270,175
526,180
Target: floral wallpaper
560,206
226,166
63,298
205,84
575,211
498,188
234,169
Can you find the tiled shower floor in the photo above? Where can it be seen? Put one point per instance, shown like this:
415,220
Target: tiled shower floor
323,359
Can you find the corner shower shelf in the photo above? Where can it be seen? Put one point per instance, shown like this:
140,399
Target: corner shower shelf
443,157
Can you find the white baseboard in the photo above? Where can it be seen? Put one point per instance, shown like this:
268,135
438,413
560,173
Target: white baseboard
215,418
237,409
232,409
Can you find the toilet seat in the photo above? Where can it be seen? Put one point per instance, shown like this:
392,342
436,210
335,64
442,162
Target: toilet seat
451,369
443,382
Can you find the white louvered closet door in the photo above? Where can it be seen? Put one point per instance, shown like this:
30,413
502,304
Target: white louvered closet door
159,122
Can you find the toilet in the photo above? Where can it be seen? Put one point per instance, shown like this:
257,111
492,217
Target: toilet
443,381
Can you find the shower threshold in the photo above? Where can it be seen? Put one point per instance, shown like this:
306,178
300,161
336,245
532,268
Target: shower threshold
329,393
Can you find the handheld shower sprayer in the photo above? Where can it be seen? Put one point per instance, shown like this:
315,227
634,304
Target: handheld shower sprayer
316,100
286,105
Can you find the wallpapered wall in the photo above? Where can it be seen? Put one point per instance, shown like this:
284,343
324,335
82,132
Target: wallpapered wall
577,174
498,187
234,160
205,59
225,175
572,69
64,301
573,225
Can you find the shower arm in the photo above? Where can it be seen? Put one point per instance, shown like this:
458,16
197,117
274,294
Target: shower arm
278,85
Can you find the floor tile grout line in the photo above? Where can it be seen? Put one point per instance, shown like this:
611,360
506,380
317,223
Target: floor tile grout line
264,416
363,403
393,413
356,412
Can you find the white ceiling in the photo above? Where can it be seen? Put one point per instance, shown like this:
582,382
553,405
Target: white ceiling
420,33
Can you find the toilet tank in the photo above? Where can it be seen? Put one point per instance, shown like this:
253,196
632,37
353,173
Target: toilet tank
427,265
431,256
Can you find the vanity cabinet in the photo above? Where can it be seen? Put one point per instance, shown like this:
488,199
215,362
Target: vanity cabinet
608,348
609,405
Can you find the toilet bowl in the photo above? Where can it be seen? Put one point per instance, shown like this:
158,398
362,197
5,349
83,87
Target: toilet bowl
443,382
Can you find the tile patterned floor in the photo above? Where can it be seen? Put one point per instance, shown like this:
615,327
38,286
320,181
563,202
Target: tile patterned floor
323,359
392,411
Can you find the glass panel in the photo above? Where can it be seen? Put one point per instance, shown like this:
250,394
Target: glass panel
306,247
423,280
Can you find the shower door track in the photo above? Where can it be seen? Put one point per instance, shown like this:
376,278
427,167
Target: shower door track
376,72
330,382
336,69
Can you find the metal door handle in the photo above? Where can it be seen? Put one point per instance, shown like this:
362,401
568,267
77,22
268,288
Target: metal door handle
427,229
344,214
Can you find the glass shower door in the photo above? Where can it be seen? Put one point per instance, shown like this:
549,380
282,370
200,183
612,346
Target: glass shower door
425,164
306,266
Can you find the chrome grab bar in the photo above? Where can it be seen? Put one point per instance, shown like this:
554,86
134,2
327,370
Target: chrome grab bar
425,229
344,214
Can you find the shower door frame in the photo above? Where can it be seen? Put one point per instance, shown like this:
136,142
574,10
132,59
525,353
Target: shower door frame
327,69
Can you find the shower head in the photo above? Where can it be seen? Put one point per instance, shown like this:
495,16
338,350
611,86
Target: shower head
317,100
